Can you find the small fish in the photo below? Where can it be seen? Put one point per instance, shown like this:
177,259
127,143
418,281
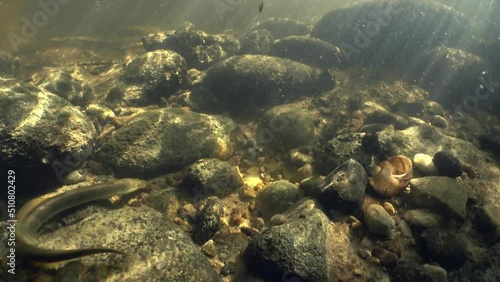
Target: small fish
261,6
34,213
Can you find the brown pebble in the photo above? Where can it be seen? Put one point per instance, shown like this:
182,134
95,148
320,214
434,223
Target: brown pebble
178,221
178,176
386,258
250,232
469,169
236,217
392,246
236,220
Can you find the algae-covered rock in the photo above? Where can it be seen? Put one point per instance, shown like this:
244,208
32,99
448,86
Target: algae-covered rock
452,76
64,85
43,137
152,76
308,246
381,32
163,140
249,82
276,197
307,50
286,127
257,42
209,177
208,220
199,48
159,249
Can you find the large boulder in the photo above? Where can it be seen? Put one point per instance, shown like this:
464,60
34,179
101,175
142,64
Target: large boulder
248,82
453,77
43,137
381,32
159,249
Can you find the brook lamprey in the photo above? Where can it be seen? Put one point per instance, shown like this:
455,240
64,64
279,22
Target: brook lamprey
35,212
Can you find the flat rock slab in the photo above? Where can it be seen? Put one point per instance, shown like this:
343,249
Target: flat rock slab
442,194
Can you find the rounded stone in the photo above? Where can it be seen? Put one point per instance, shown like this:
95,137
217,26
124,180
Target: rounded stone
208,220
378,221
277,219
386,257
211,177
447,164
277,197
287,126
424,164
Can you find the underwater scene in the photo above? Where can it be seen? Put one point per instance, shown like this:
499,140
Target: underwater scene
250,140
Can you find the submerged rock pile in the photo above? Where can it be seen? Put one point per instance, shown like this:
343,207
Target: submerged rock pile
295,155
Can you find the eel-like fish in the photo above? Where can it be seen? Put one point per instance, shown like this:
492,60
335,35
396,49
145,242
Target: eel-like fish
35,212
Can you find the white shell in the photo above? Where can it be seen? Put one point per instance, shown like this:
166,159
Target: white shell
424,164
